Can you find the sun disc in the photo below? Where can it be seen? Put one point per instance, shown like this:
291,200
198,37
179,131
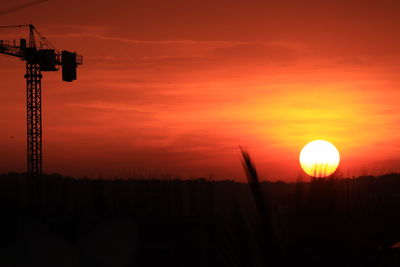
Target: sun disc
319,158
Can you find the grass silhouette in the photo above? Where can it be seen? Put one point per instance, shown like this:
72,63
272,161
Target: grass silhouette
199,222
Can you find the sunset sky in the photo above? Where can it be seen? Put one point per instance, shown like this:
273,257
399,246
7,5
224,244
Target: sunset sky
176,86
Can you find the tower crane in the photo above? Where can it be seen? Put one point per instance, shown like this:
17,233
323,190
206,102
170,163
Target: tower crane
39,56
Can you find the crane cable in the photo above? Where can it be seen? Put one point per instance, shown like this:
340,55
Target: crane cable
47,42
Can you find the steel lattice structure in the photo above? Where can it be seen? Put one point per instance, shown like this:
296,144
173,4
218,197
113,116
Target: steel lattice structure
43,58
33,78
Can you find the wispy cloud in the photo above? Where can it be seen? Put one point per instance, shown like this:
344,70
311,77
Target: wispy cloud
21,6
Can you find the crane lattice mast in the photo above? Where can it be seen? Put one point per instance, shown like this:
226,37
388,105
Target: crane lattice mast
43,58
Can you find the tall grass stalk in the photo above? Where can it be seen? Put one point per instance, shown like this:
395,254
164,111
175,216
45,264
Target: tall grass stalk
269,245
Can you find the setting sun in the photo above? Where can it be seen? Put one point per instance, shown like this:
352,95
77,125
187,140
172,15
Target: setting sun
319,158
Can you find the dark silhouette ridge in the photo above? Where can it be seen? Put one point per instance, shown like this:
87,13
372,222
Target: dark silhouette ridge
93,222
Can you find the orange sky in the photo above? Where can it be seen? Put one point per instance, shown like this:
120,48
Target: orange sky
176,86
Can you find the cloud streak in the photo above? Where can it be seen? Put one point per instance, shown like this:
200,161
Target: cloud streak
22,6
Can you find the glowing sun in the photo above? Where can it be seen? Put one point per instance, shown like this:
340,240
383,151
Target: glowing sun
319,158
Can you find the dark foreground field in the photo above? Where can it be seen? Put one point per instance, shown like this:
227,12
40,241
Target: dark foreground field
59,221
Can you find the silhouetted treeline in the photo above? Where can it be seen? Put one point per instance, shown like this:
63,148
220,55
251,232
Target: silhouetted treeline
60,221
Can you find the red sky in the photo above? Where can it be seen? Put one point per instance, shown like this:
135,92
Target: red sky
177,86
